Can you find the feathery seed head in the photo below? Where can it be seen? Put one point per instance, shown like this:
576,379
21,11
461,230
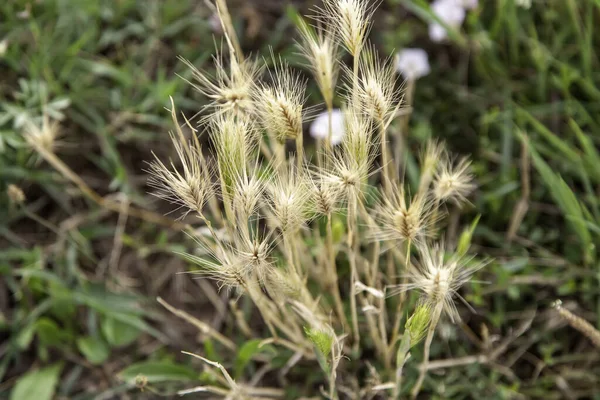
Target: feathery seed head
327,195
221,265
248,190
235,140
281,286
402,220
454,181
430,159
280,105
321,51
377,90
439,278
253,253
291,198
227,92
189,187
351,21
351,166
42,138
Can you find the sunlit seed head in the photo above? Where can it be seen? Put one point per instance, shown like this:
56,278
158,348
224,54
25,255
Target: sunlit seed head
280,104
350,20
431,158
404,220
253,253
248,190
235,140
291,198
380,97
327,195
454,181
439,276
321,52
227,91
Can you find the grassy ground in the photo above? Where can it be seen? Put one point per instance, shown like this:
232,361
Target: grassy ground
81,267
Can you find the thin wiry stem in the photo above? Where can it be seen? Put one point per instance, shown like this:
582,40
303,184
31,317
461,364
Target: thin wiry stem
352,250
331,266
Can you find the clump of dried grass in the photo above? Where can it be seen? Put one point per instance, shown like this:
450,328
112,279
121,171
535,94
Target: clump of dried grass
276,202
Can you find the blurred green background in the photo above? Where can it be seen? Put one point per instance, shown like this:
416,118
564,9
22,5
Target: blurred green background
514,88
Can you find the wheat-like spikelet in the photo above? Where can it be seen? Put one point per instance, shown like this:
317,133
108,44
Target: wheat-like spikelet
453,181
290,198
431,157
377,89
439,276
234,139
190,187
227,91
350,20
279,104
404,220
321,51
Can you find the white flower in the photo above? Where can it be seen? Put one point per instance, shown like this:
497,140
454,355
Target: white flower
451,13
412,63
319,129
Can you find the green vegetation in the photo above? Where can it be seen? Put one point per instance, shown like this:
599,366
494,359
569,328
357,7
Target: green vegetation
85,252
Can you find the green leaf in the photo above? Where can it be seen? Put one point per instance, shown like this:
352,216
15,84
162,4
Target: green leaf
118,333
94,349
50,334
39,384
244,356
573,210
158,371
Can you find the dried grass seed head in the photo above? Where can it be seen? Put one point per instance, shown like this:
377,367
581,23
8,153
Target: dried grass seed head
439,277
42,138
454,181
402,220
247,192
253,253
190,186
377,89
321,51
350,20
291,198
227,91
221,265
351,166
327,195
235,141
431,158
280,104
